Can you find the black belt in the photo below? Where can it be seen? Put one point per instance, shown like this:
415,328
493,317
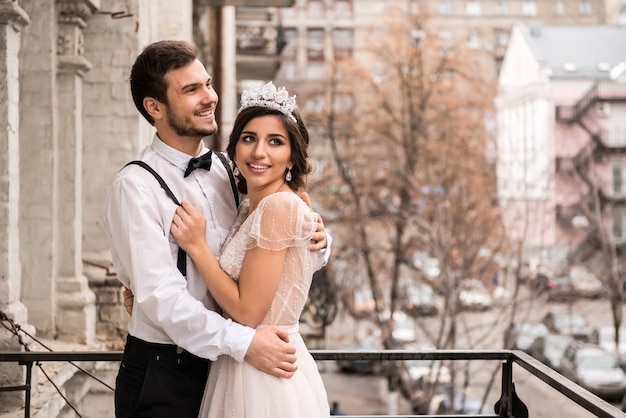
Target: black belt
134,344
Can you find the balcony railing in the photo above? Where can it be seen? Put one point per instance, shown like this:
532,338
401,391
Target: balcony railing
583,398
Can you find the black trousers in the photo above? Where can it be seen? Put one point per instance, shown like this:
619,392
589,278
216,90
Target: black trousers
159,381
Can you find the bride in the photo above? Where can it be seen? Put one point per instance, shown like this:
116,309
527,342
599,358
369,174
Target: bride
265,269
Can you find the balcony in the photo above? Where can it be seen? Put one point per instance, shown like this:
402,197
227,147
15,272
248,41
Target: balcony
258,44
509,405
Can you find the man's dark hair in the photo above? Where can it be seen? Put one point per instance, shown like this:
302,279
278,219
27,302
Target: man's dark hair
147,76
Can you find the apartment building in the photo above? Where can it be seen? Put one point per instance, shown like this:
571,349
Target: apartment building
315,31
562,141
318,31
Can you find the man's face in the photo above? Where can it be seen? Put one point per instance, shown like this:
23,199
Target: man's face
190,110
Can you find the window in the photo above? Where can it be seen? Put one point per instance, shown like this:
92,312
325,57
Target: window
472,8
343,103
619,223
378,72
315,44
559,8
315,104
288,13
343,41
315,9
445,38
502,8
502,38
618,180
473,39
529,8
343,9
584,7
315,70
289,70
444,7
570,67
380,5
290,38
620,16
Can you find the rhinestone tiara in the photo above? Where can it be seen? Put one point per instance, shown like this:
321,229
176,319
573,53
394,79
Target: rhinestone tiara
269,96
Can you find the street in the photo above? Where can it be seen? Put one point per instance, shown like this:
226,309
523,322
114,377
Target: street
366,394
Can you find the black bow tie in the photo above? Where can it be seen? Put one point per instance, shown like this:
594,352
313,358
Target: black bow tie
203,161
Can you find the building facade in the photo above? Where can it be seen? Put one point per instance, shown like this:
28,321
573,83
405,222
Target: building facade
562,141
318,32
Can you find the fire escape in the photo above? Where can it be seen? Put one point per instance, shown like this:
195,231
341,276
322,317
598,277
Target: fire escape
596,102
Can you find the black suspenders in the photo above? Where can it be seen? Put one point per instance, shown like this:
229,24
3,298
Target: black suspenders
182,255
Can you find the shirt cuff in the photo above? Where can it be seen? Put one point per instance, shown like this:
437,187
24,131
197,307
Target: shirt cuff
239,338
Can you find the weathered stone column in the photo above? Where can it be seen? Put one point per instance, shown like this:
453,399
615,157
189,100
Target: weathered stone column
76,313
12,20
38,139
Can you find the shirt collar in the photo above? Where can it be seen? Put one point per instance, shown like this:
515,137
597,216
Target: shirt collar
172,155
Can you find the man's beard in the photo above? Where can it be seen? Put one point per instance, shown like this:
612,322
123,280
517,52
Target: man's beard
185,128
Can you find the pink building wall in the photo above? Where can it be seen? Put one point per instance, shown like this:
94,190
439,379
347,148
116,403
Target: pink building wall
536,152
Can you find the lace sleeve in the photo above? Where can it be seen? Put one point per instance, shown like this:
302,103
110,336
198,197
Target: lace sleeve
278,222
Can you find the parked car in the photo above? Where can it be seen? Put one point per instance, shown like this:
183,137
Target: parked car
535,273
426,264
585,283
559,289
403,328
549,349
578,282
570,323
606,340
522,334
590,366
370,343
361,303
419,299
474,295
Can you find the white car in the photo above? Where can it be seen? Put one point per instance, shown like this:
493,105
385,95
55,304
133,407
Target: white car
606,340
403,328
474,295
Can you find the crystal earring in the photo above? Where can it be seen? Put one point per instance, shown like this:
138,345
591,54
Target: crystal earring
288,175
236,171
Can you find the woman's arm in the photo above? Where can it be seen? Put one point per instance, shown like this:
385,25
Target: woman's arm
246,301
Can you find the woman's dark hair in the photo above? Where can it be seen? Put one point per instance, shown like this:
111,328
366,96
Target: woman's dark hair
298,137
147,76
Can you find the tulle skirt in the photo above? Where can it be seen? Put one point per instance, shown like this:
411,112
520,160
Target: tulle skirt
239,390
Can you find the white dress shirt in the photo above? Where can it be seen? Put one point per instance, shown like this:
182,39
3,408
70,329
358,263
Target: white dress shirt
137,217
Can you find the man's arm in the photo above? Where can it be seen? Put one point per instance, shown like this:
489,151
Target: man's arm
269,350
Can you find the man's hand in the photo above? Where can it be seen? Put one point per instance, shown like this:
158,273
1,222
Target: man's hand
318,239
128,300
270,352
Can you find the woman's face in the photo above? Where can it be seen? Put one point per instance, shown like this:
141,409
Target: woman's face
263,153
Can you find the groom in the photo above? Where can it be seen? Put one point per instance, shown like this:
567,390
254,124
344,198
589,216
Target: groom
174,329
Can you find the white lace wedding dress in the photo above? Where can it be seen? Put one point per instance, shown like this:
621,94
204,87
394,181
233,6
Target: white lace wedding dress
239,390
